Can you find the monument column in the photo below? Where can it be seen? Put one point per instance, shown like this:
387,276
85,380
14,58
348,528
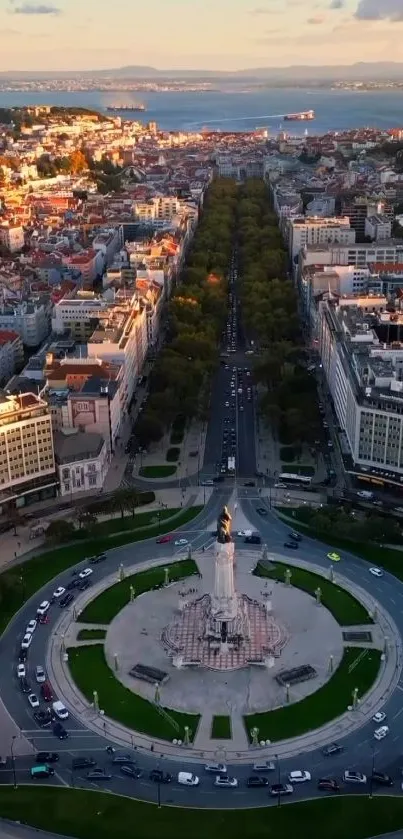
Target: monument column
224,601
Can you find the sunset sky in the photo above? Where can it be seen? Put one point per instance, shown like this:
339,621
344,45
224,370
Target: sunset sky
211,34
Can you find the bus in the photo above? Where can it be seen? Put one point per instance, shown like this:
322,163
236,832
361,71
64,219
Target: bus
231,465
294,480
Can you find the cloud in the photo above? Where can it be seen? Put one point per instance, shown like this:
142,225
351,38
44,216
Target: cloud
380,10
27,9
315,21
336,4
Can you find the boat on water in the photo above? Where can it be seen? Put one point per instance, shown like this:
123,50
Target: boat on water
300,116
137,106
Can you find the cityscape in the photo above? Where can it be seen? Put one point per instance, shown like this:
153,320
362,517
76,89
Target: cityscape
201,468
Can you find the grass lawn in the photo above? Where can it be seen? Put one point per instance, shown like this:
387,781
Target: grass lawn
384,557
90,672
25,579
298,469
343,606
91,635
104,608
221,728
88,815
163,471
151,517
329,702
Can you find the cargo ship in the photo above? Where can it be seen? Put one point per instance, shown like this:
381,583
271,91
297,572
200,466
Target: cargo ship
136,107
301,116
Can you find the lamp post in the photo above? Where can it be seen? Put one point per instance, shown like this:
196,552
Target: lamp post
278,780
14,737
371,780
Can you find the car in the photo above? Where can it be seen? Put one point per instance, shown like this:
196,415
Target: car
60,710
60,731
160,777
264,766
66,600
380,716
93,560
84,584
46,692
26,641
131,770
180,542
296,537
43,608
47,757
22,656
227,404
43,718
253,539
31,626
216,768
350,777
261,511
33,700
333,556
59,592
208,483
293,545
332,749
382,779
42,771
85,573
187,779
122,757
225,781
281,789
257,781
43,619
280,485
25,686
376,572
163,539
244,533
40,674
99,775
381,732
83,763
21,671
299,776
329,785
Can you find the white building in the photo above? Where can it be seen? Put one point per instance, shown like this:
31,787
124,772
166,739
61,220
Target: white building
27,465
82,461
307,231
11,354
378,228
30,320
12,237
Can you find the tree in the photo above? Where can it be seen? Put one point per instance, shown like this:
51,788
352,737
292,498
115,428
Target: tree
60,530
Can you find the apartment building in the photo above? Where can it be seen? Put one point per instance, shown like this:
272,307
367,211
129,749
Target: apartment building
30,320
82,461
27,464
157,211
307,231
121,338
12,237
359,254
11,354
378,228
78,315
364,371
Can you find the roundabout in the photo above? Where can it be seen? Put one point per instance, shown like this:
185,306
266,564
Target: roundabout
90,733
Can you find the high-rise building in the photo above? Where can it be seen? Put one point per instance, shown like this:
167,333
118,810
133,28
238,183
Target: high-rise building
27,464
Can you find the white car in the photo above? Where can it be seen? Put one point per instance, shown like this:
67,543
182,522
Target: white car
280,486
227,404
40,674
188,779
43,608
31,627
380,716
377,572
381,732
86,573
299,776
21,671
244,533
180,542
59,592
33,700
26,641
225,781
350,777
60,710
216,767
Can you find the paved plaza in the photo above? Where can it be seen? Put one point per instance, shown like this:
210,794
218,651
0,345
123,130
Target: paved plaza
309,633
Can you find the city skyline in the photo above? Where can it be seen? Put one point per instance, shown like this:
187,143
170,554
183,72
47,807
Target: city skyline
235,34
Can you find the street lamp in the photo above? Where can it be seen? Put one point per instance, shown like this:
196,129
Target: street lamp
14,737
371,780
278,781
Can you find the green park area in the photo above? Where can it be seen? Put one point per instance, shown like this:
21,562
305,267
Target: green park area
357,669
163,471
343,606
104,607
221,728
85,814
91,635
90,672
21,582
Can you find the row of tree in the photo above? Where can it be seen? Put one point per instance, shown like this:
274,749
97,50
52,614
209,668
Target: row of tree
270,312
85,519
344,522
180,380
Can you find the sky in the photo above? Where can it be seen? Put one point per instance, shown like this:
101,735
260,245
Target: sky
192,34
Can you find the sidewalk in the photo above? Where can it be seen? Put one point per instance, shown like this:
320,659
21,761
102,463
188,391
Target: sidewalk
188,464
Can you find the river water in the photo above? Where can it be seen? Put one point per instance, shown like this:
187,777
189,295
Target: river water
237,110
